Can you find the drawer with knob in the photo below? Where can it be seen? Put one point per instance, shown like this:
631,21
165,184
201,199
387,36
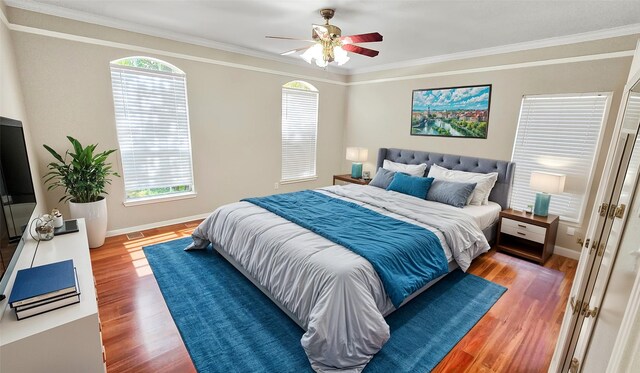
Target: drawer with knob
524,227
528,236
523,233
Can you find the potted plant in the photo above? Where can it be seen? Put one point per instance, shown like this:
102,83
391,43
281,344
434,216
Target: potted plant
83,177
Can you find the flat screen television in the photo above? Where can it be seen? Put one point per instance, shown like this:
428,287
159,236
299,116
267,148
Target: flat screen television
17,195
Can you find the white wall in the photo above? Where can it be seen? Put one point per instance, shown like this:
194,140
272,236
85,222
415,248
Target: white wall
234,106
12,103
234,115
379,109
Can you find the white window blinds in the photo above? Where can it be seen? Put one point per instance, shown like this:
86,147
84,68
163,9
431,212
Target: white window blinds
299,130
558,134
153,131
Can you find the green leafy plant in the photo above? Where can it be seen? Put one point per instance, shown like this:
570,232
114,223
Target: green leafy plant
85,175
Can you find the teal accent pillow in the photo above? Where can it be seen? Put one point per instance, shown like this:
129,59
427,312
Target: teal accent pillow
412,185
450,192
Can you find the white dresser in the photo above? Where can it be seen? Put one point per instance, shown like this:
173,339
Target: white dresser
64,340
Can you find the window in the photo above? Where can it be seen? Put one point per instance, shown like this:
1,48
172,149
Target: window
558,134
150,99
299,131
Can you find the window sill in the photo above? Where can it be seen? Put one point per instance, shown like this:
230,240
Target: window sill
301,180
158,199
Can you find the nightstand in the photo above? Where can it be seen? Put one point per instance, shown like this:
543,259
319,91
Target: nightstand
527,235
348,179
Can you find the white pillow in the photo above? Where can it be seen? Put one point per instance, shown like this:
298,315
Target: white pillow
484,182
411,169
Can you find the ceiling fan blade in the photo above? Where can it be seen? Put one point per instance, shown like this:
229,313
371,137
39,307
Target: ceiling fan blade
360,50
288,38
362,38
294,51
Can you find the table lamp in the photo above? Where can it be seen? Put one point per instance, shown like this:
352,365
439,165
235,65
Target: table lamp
357,156
545,183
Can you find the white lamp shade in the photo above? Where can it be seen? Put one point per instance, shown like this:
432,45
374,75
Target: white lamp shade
357,154
340,55
314,52
547,182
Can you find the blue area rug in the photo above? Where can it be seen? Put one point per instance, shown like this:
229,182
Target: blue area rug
228,325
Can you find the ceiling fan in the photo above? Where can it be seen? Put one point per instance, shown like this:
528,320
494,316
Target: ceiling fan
329,45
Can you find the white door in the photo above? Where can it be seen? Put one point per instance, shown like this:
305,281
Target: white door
599,250
590,264
618,271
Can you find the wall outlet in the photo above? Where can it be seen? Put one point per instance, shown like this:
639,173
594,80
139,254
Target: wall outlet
276,185
571,231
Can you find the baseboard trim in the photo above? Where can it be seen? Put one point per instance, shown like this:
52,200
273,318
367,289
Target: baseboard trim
567,253
137,228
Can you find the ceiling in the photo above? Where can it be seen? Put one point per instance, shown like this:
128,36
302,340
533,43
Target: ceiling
412,30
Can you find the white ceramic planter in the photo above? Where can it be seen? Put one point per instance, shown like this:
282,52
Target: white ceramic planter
95,216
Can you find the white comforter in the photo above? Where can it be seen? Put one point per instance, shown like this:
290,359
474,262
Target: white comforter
335,293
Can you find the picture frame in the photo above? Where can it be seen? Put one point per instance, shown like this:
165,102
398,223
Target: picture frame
461,112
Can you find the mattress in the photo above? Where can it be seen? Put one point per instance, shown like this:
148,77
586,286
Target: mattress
485,215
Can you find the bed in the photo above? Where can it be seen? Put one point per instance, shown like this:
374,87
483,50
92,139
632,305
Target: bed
334,294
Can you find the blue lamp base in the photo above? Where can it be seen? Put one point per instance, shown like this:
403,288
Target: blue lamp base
356,170
541,207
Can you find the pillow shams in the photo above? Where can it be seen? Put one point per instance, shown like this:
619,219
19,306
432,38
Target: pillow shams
410,169
450,192
484,182
382,179
411,185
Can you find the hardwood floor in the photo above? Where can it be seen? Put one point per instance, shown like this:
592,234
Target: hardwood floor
137,329
519,332
517,335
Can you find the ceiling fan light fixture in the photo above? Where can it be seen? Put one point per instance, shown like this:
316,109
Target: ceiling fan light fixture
321,63
329,44
314,52
323,56
340,55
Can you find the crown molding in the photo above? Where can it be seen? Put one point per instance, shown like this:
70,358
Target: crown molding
62,12
3,18
58,11
518,47
159,52
521,65
137,48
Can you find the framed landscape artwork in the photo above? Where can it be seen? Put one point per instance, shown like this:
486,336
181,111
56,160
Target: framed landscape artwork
451,112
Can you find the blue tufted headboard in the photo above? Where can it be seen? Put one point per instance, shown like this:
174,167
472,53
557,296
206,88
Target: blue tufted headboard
501,192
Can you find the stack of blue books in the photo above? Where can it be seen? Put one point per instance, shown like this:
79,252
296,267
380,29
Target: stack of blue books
44,288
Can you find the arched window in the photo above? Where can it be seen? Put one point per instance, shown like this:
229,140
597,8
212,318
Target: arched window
150,101
299,131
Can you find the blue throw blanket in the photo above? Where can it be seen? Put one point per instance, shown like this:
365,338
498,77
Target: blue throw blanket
405,256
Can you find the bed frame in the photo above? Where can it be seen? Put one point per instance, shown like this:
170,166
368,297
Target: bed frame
501,192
